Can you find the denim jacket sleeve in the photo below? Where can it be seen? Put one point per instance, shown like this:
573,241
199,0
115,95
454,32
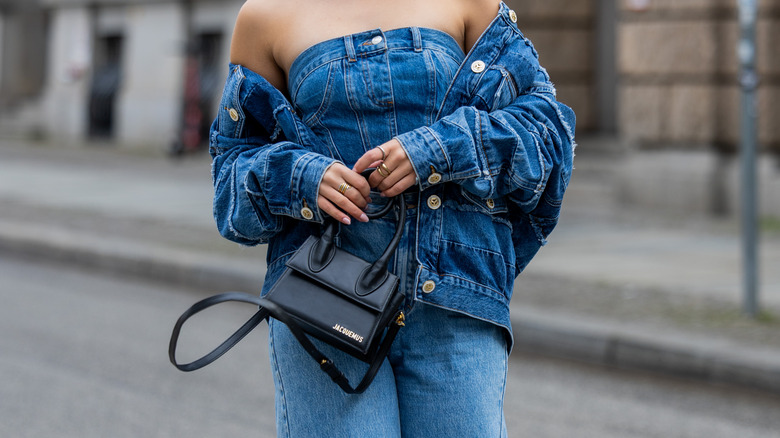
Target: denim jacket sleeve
261,169
510,138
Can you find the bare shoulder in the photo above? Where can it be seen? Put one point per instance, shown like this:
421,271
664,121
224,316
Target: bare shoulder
478,14
254,34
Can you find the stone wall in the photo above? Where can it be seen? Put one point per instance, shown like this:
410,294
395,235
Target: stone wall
680,105
666,73
678,74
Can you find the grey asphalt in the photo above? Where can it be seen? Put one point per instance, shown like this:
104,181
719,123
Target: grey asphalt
633,288
83,356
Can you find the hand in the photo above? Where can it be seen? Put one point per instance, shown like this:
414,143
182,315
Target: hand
336,199
394,172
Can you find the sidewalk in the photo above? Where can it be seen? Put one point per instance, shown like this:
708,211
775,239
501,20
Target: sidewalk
615,286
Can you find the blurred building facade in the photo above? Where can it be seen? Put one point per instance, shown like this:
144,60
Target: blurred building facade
137,73
655,82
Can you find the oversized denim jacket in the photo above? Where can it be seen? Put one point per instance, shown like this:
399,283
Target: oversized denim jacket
492,171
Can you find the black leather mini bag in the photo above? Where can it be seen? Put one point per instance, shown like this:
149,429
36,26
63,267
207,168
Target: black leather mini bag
330,294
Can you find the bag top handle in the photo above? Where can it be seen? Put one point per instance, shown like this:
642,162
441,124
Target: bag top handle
323,250
375,274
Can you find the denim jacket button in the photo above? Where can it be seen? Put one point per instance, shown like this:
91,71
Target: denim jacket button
307,213
478,66
435,178
513,16
428,286
491,204
233,114
434,202
376,40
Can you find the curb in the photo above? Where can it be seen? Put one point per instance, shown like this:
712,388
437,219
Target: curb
670,353
563,336
122,257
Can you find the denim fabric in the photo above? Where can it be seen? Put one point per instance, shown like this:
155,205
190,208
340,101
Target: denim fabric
445,377
491,147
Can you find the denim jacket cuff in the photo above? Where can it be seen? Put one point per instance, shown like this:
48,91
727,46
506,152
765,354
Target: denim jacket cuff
306,179
427,155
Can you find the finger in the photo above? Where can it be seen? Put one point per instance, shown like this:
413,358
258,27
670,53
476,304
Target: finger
358,183
344,204
334,177
396,175
401,186
339,173
331,210
383,171
370,157
355,196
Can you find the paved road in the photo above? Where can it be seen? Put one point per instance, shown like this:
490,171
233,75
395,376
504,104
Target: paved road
84,355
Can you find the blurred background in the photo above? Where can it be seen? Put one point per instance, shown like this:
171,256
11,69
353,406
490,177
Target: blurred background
656,79
631,322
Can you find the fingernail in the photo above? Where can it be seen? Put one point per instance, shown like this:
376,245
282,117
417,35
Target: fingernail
363,217
346,221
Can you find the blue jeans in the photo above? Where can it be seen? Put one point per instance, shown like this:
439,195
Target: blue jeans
445,377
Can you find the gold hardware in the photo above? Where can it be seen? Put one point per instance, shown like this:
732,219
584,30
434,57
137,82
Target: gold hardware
435,176
400,320
306,212
434,202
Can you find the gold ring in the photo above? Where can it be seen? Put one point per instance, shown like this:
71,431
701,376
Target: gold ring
383,170
344,187
384,154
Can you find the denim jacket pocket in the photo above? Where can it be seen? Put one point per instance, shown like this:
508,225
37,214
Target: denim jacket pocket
506,91
496,89
489,206
485,255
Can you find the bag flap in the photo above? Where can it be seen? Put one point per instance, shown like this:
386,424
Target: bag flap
341,274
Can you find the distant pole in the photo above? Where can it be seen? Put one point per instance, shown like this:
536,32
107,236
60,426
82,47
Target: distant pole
748,11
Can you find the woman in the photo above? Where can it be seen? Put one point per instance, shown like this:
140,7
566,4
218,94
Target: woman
446,99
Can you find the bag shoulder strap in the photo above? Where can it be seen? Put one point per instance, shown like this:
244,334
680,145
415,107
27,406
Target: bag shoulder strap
267,308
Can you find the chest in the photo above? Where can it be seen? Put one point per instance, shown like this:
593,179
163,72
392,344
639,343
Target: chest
326,20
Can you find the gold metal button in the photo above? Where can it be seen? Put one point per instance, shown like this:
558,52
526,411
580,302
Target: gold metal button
233,114
434,202
513,16
307,213
490,203
428,286
435,178
478,66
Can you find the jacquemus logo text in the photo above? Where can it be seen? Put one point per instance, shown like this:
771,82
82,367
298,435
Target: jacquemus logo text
348,333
